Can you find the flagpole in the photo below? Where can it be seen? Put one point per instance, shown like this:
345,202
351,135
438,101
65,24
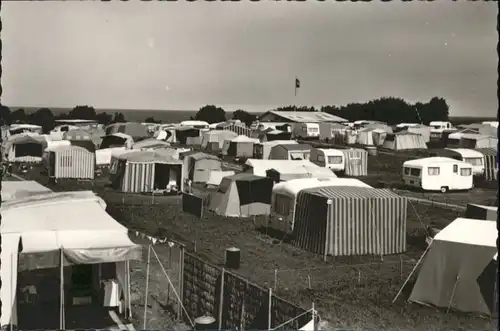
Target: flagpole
295,84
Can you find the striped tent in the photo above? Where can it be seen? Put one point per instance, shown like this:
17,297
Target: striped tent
356,162
490,163
147,171
342,221
73,162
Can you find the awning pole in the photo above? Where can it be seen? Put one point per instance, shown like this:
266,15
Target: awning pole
129,303
61,319
11,287
147,288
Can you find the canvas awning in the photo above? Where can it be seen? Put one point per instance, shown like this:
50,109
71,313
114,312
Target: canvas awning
45,224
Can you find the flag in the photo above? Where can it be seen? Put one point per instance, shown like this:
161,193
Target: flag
297,83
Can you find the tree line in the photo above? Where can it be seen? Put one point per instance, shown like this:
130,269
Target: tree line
388,109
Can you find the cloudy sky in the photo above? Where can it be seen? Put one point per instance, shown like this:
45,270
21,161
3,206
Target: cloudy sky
160,55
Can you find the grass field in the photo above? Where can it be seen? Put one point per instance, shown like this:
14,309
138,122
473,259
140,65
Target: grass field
354,293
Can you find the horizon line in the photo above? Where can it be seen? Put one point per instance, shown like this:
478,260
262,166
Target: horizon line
184,110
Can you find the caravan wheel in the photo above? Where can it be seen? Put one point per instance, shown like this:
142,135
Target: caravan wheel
444,189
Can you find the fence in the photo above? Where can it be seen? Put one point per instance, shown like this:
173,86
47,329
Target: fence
233,301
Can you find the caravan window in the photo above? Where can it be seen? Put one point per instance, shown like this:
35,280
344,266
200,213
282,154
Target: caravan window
465,172
282,205
335,159
475,161
406,171
415,172
313,129
433,171
455,168
320,158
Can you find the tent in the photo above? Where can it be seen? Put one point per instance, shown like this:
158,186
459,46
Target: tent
480,212
263,149
459,270
103,156
25,148
40,231
117,140
242,195
342,221
273,135
215,139
404,140
260,167
299,171
241,146
290,152
356,162
365,137
183,133
150,143
422,130
134,130
12,190
198,166
147,171
216,177
70,162
284,198
490,163
478,141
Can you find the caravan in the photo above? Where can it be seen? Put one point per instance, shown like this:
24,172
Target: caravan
306,130
438,174
472,157
328,158
437,128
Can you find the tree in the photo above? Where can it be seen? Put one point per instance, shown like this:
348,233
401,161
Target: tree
210,114
19,116
393,111
82,113
5,115
151,120
104,118
244,116
118,118
43,117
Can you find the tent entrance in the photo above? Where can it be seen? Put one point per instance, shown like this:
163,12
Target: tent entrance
38,298
29,149
166,176
52,164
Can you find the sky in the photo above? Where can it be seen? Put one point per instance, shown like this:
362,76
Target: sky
180,56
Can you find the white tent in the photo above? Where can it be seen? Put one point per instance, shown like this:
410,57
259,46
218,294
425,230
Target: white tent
459,269
72,227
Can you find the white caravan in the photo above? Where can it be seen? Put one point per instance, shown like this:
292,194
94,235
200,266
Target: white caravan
472,157
306,130
438,174
437,128
328,158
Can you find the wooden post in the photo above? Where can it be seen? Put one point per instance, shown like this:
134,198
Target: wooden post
270,306
221,298
181,282
275,278
170,266
61,322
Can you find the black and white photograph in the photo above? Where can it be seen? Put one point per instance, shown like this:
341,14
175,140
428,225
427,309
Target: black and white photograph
249,165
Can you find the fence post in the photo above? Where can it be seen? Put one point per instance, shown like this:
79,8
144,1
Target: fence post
221,298
181,282
270,306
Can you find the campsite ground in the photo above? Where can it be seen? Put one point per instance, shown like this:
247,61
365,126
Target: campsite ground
354,293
